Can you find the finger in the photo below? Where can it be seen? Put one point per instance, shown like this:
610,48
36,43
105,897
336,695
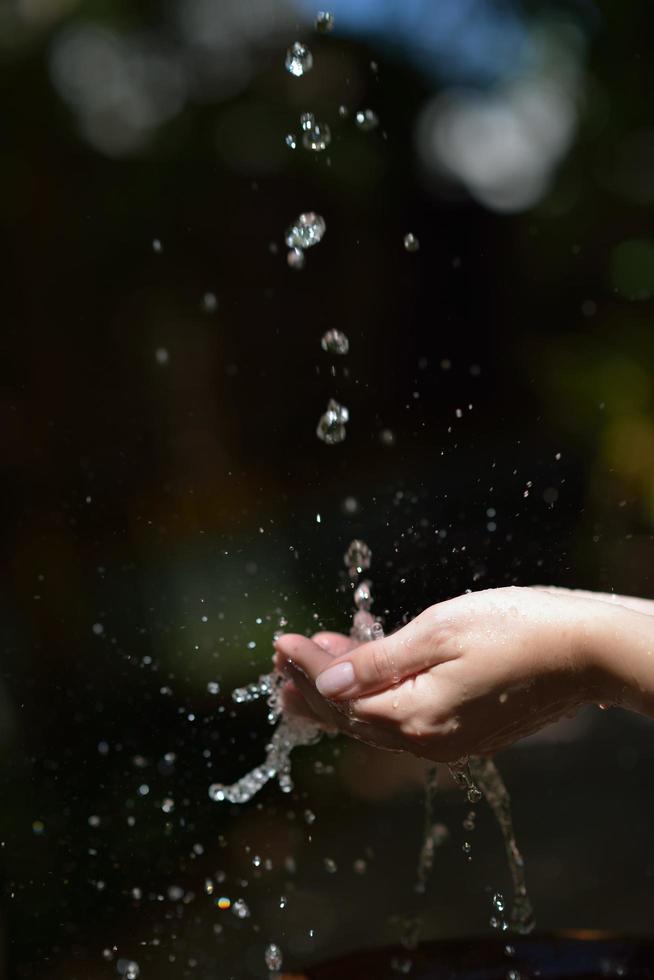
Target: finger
302,652
335,644
378,665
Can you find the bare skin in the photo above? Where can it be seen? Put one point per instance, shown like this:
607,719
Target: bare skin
476,673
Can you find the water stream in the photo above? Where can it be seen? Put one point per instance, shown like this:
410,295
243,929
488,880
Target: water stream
476,777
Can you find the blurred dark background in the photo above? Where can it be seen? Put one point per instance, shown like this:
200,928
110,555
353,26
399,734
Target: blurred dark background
161,378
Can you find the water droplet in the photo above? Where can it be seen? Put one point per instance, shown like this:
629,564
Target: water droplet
307,121
273,957
240,909
309,817
161,355
168,805
411,243
299,59
224,903
157,246
282,901
128,969
466,847
306,231
296,259
330,866
366,120
363,596
208,886
357,558
343,111
360,866
498,902
335,342
317,137
175,893
209,303
331,426
386,437
213,687
324,21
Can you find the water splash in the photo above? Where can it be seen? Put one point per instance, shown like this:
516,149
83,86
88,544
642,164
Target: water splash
294,732
486,774
434,835
290,733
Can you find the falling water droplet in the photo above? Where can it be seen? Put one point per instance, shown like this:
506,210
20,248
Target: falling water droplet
240,909
213,687
411,243
306,231
291,141
357,558
209,303
273,957
299,59
157,247
330,866
307,121
128,969
335,342
331,426
366,120
296,259
324,21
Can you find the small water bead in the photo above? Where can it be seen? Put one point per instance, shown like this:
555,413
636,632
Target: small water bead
366,120
330,866
208,886
331,425
128,969
324,21
213,687
401,964
240,909
299,59
309,817
363,596
317,138
291,141
360,866
343,111
273,957
357,558
466,847
209,303
224,903
307,121
306,231
296,259
335,342
411,243
157,246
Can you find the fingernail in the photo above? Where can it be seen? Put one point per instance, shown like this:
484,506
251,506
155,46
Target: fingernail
335,680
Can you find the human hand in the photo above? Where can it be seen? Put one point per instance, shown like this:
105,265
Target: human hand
467,676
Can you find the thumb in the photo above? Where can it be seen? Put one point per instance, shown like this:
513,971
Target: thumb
379,664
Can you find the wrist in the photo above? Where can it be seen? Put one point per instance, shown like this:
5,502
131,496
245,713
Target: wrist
620,657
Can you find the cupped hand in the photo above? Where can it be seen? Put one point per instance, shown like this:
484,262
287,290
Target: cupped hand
467,676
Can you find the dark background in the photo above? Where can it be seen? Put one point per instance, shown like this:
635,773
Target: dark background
160,462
